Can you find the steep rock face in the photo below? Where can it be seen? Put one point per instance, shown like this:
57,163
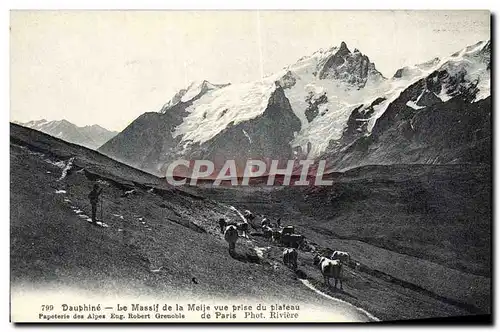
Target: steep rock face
427,98
357,125
204,117
455,131
315,102
328,83
148,143
265,137
353,68
442,116
288,80
330,105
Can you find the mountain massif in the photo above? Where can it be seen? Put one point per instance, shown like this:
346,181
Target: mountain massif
331,105
89,136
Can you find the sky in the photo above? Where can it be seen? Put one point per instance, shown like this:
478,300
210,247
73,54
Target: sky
109,67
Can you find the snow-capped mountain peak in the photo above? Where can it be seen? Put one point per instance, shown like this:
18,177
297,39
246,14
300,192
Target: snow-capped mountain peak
338,63
194,90
408,72
328,99
467,69
336,72
213,110
323,89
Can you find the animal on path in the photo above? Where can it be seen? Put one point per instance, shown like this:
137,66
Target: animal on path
248,215
289,230
290,257
222,225
243,228
267,232
343,256
292,240
231,236
276,236
329,269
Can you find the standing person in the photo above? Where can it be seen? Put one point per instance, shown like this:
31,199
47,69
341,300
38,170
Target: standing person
94,199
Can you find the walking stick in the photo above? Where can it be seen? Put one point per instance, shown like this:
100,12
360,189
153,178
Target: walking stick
101,209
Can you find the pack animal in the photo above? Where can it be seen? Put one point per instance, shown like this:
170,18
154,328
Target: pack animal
267,232
243,228
290,257
329,269
343,256
222,225
292,240
231,236
248,215
276,236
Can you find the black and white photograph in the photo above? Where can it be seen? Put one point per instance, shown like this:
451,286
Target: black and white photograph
250,166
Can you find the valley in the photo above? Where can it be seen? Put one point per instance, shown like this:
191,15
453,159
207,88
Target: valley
143,251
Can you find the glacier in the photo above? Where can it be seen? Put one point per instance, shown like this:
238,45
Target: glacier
330,101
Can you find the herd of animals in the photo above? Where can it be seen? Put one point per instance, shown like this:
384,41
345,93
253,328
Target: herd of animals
331,267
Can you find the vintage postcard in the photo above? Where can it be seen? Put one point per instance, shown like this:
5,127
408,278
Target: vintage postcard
250,166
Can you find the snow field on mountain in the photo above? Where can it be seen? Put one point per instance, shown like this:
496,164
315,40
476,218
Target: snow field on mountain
218,106
215,110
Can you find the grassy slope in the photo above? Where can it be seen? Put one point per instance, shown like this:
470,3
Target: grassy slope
425,225
51,245
442,214
46,233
